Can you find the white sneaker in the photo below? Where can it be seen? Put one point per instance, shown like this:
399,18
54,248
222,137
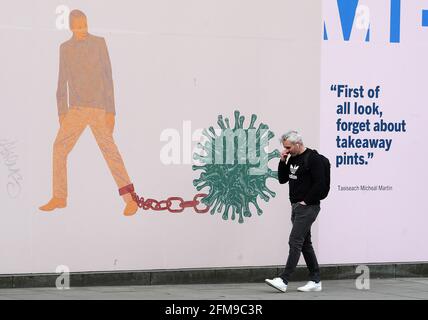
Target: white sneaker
311,286
277,283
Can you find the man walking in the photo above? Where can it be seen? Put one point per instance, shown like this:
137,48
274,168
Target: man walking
305,173
85,97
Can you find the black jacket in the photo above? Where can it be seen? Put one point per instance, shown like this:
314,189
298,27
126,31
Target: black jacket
305,175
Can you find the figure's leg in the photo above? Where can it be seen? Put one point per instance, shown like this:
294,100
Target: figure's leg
311,259
304,217
111,154
68,134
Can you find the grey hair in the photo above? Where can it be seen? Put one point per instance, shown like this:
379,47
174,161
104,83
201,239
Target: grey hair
292,136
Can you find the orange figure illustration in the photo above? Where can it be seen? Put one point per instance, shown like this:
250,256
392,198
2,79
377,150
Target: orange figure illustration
85,97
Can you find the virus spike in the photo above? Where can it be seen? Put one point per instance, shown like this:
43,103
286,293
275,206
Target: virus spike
239,211
214,207
253,120
202,177
272,193
262,126
262,194
220,207
247,212
227,123
241,218
273,174
262,131
220,122
226,212
237,115
207,146
198,181
195,167
208,134
212,131
199,158
202,186
274,154
210,199
259,211
241,122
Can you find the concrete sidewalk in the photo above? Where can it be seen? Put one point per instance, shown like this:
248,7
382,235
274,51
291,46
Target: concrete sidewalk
388,289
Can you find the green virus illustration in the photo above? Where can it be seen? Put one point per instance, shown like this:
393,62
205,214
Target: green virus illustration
235,167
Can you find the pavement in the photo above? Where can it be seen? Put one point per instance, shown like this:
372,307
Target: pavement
380,289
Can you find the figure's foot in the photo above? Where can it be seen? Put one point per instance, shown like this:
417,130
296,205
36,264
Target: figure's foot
311,286
130,209
54,203
277,283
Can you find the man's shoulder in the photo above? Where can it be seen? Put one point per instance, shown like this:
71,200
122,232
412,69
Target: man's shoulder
307,154
315,159
312,153
310,157
66,44
70,42
97,38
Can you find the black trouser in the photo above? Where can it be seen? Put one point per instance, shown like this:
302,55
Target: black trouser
302,218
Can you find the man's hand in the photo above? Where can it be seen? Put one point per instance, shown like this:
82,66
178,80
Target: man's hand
110,119
61,118
284,155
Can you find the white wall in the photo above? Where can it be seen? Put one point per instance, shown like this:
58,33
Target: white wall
176,61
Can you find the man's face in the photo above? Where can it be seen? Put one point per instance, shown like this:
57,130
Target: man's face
79,25
291,148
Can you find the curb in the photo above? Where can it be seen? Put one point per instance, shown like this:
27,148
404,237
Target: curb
210,275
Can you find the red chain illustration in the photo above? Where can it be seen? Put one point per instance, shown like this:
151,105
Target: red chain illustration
165,204
168,203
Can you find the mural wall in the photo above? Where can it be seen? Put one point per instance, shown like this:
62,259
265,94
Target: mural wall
145,134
